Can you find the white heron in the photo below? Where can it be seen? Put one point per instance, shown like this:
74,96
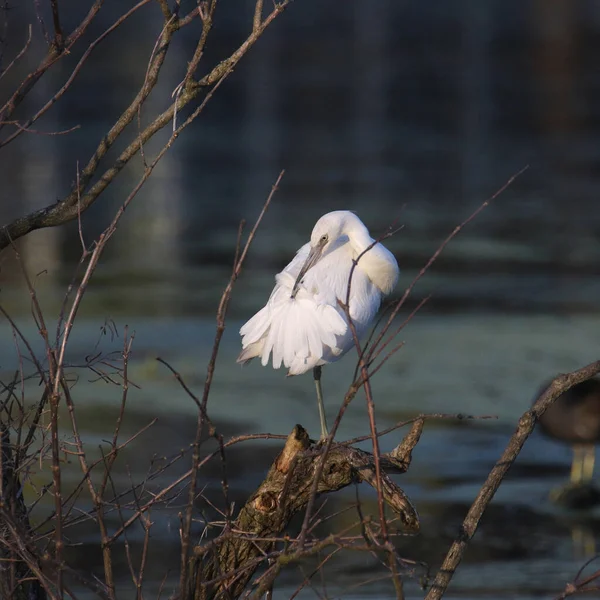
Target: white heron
302,325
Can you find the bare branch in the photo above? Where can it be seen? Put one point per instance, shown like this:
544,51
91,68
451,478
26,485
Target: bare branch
20,55
54,54
559,385
37,132
77,201
221,314
58,34
258,9
376,348
25,127
227,564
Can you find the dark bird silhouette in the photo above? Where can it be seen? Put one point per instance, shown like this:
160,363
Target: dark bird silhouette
574,418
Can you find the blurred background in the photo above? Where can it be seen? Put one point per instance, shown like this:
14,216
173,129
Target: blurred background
396,109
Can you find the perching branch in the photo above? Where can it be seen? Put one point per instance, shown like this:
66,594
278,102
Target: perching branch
224,567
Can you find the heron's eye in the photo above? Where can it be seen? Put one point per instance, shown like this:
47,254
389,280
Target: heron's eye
324,238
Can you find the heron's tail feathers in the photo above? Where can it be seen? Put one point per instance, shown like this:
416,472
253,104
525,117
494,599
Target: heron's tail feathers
249,352
300,332
296,331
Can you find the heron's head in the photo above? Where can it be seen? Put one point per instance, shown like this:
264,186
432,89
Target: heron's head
331,227
327,231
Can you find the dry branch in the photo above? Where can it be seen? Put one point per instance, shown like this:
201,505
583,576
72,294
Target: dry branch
18,564
224,567
92,181
527,422
582,585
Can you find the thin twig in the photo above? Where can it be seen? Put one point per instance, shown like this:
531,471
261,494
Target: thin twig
58,34
376,348
16,59
221,314
67,208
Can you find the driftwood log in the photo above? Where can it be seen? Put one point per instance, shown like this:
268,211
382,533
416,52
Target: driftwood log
223,568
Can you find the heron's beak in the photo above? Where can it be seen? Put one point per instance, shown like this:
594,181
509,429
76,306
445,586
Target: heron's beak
312,259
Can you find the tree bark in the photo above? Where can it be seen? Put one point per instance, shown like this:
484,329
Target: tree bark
223,567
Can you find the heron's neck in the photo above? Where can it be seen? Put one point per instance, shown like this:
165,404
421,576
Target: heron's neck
378,263
360,239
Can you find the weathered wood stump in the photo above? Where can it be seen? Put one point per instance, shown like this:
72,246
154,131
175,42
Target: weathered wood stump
222,568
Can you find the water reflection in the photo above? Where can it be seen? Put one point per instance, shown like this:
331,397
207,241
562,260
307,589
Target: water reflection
402,109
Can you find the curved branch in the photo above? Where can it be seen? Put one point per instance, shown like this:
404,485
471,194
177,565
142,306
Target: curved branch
23,127
70,207
54,54
527,422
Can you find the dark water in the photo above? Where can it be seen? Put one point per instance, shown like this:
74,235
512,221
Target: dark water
411,110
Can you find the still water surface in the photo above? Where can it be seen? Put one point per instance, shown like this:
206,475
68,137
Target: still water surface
488,365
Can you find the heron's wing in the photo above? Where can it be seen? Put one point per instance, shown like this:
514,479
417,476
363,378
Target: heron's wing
328,281
296,331
259,324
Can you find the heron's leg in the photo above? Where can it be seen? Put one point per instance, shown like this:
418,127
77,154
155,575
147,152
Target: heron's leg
317,376
577,464
589,458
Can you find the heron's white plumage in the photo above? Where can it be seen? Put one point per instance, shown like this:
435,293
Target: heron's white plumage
302,325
